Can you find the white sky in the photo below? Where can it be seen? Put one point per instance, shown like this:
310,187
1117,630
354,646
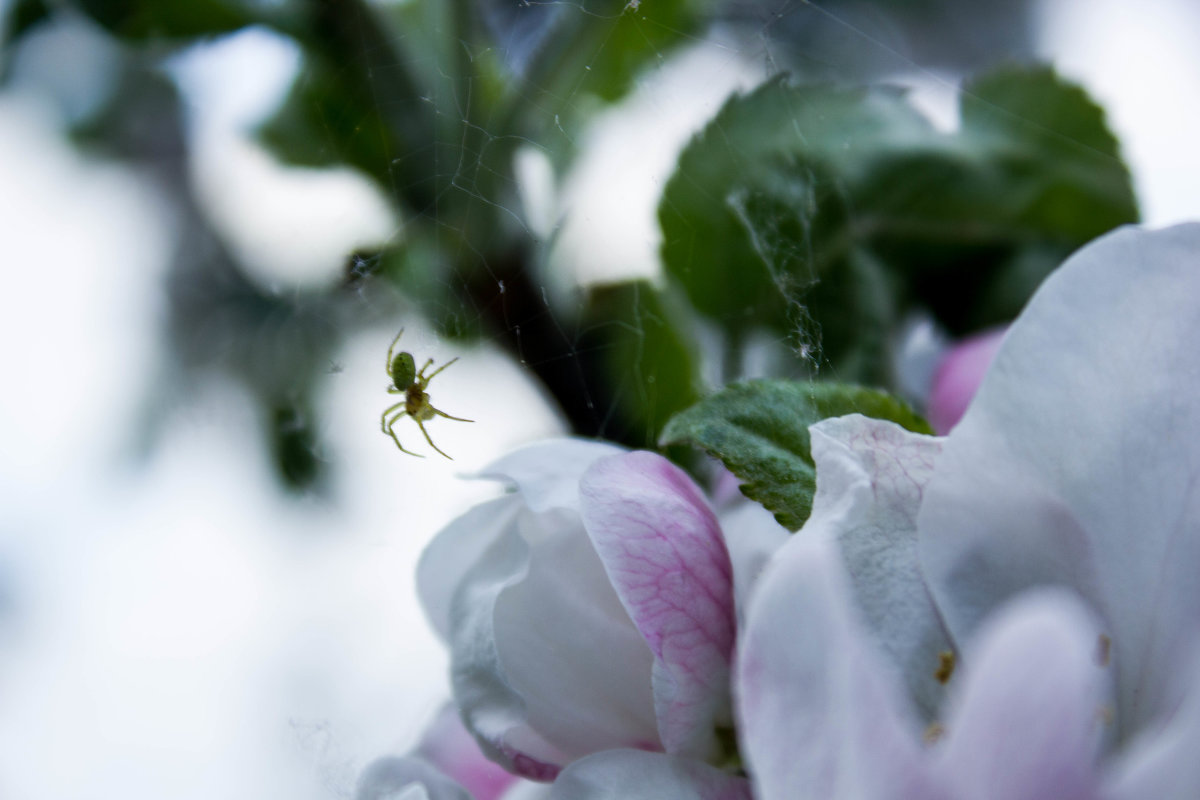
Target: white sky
177,629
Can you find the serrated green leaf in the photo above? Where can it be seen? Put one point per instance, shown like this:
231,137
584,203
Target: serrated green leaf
759,431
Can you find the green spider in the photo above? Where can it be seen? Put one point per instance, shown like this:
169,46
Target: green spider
411,383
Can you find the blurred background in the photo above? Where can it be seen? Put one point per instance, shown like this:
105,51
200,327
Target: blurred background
216,214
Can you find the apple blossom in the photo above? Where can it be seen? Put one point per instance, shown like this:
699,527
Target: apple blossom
592,609
1050,544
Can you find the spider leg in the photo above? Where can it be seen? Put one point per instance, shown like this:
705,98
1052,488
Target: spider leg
383,417
388,426
425,380
420,377
421,425
447,416
392,347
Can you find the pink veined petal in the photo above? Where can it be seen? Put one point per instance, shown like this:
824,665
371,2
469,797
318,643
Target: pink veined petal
637,775
871,477
1078,463
450,747
820,716
662,549
958,376
1029,717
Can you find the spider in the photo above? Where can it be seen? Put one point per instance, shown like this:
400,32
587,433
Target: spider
411,383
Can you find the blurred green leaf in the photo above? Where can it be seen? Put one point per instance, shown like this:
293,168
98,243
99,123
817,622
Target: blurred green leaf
169,19
759,431
1053,141
803,209
293,444
598,47
22,17
644,359
758,213
323,122
977,222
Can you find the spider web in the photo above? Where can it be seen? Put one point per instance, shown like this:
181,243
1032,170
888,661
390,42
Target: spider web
581,195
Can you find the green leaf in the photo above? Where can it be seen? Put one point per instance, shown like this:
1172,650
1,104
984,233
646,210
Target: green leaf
646,362
1052,140
760,193
759,431
790,187
169,19
598,47
1033,174
324,122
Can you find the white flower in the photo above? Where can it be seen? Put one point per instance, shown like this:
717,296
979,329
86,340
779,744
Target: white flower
591,609
1050,546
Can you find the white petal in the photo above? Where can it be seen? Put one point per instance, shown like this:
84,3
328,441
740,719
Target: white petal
1028,720
1079,461
546,665
820,716
662,549
547,473
634,775
456,550
1162,762
871,475
752,535
527,790
406,779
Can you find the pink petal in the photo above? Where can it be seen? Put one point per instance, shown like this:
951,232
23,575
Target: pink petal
1028,722
662,549
450,747
958,376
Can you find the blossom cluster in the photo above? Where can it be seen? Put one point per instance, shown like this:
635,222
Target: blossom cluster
1007,612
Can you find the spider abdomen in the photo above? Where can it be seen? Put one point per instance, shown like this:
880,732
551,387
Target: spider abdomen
404,370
